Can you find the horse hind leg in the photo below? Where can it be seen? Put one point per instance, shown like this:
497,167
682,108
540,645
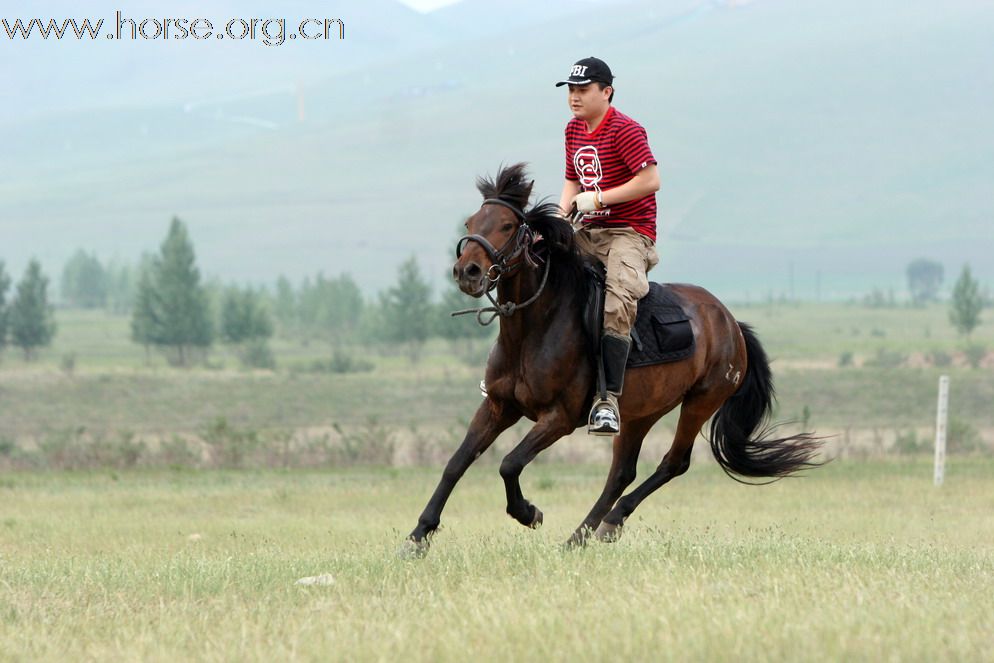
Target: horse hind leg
627,446
693,413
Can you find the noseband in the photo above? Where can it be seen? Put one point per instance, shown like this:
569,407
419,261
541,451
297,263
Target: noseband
505,260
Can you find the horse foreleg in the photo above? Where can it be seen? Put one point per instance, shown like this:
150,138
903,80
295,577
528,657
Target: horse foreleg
491,419
549,428
627,445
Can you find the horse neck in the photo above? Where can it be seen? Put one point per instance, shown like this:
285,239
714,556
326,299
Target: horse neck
536,318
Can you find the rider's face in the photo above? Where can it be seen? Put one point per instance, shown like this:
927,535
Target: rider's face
588,102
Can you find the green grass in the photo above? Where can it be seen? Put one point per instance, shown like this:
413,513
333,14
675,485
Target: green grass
161,403
856,561
112,389
823,331
802,331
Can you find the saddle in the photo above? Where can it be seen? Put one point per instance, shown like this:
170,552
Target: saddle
662,332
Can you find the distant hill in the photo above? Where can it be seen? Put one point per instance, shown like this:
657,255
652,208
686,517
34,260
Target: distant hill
806,146
55,76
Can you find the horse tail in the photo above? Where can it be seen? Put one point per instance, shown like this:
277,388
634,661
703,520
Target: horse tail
737,445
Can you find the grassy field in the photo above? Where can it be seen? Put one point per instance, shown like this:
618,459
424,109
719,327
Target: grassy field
111,389
857,561
812,332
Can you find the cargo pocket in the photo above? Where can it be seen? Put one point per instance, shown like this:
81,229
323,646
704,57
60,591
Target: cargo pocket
632,277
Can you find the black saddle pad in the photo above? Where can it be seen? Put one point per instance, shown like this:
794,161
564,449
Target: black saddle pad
662,331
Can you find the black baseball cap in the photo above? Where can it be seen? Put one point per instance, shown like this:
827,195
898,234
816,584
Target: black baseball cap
589,70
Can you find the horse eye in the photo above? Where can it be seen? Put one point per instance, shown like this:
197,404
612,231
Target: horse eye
507,227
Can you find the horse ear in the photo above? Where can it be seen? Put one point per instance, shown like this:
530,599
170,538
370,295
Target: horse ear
530,185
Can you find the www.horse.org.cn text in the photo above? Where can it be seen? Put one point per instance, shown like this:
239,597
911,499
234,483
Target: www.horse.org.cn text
268,31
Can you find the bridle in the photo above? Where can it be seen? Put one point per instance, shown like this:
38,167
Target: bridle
504,261
502,258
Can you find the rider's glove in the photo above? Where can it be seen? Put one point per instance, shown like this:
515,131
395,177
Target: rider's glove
588,201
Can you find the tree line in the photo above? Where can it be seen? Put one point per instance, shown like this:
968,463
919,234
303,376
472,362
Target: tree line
174,311
925,279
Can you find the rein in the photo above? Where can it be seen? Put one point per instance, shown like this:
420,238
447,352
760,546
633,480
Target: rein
502,264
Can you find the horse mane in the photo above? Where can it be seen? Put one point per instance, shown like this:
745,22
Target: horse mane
511,185
567,271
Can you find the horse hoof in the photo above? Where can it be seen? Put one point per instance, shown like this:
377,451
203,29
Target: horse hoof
537,519
578,539
412,549
607,532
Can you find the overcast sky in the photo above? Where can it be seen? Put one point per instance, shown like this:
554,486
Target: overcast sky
428,5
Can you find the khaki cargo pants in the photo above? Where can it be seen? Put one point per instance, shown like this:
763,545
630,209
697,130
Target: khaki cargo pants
627,255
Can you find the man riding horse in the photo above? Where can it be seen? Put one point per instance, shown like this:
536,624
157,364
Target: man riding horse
611,180
528,262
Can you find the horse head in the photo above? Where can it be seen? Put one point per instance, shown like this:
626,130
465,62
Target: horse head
497,237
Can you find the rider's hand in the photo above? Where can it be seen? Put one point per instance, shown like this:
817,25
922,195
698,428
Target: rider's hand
588,201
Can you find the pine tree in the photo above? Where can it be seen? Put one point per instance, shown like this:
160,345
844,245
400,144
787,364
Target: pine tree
143,318
235,317
246,324
84,281
407,309
172,310
329,308
341,307
32,324
964,311
924,280
121,287
244,317
4,309
285,306
183,312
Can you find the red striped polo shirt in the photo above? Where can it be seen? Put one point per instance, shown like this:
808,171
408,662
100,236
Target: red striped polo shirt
607,158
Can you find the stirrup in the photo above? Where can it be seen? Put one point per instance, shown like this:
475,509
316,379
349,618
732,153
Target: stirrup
604,419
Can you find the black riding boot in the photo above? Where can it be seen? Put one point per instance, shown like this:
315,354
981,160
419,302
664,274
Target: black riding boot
605,416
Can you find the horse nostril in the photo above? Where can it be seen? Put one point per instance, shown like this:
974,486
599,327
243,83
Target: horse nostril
455,272
473,271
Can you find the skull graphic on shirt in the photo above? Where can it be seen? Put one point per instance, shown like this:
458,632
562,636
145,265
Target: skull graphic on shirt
587,164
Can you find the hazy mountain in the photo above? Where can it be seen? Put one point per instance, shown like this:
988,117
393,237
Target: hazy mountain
52,75
473,19
834,141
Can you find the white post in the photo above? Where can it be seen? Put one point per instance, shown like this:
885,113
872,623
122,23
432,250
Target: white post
941,416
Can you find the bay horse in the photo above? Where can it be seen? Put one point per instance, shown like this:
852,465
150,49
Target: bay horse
542,367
